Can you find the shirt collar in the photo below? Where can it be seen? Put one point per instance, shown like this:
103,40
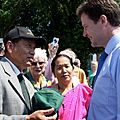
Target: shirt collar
15,69
115,39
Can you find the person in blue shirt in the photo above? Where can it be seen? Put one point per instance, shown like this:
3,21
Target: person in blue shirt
101,22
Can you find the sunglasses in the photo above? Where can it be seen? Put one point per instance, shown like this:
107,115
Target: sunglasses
35,63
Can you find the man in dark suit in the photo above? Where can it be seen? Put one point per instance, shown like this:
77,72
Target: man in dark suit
19,50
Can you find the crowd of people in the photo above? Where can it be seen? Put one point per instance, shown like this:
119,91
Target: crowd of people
26,69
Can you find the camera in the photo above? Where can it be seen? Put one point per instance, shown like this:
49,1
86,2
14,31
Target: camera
55,41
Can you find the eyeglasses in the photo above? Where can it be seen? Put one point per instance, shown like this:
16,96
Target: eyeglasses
35,63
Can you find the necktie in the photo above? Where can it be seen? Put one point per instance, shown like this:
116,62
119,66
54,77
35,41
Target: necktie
24,89
100,64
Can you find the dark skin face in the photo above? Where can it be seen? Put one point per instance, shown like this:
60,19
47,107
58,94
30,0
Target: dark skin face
21,52
63,70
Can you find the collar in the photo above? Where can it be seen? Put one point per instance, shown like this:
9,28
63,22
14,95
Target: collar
15,69
113,42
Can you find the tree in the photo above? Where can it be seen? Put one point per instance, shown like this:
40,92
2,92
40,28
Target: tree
48,18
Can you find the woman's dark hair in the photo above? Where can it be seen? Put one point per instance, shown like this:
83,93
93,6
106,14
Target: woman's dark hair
57,56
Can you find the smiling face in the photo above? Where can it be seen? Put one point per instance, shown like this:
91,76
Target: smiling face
94,31
63,70
38,66
39,63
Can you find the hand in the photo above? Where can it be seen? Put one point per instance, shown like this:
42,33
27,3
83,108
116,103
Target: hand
41,115
52,50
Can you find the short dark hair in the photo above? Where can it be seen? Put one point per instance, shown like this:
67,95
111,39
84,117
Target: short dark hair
57,56
95,8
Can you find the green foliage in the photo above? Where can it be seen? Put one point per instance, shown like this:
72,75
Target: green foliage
48,18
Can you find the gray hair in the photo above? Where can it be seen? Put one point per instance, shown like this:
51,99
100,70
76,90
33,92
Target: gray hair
41,53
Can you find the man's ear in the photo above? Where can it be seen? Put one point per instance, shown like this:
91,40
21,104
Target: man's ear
103,19
9,46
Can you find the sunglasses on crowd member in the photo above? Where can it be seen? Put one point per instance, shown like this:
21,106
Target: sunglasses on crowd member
35,63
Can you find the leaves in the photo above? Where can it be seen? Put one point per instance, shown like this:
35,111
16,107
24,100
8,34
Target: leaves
49,18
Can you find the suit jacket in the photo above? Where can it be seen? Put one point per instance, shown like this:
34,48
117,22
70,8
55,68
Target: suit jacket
11,105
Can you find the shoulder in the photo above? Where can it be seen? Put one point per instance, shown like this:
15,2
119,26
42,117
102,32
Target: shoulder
5,67
115,52
85,89
114,56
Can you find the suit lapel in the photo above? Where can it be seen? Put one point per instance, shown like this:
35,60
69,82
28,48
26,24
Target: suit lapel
12,77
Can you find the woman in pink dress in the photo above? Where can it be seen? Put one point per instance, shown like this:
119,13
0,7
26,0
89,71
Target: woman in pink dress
76,97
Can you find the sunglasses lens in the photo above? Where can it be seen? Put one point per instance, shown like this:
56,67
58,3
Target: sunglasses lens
40,63
35,63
